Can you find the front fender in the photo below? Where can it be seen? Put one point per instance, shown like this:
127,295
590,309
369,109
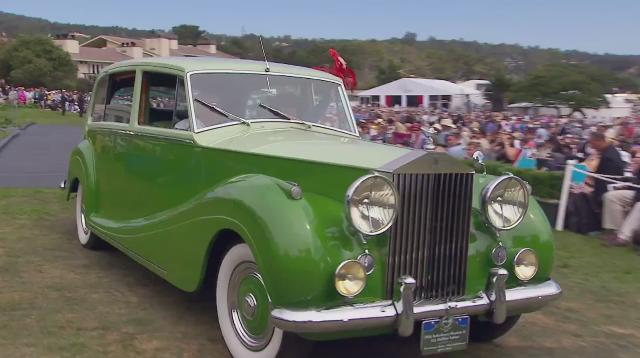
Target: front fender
534,232
297,243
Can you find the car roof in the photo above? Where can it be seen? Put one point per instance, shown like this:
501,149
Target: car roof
190,64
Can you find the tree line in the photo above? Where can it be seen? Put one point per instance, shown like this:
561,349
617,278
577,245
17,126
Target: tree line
545,76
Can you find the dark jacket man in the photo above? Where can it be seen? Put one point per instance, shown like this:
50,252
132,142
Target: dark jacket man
610,164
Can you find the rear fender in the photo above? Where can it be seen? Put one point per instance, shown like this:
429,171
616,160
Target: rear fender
82,169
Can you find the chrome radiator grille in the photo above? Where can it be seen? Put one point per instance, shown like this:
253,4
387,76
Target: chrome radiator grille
429,239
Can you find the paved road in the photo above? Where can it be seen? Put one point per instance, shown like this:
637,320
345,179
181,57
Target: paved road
38,157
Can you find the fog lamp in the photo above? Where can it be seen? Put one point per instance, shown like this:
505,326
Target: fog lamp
350,278
525,265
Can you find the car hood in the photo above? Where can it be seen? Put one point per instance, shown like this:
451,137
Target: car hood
296,141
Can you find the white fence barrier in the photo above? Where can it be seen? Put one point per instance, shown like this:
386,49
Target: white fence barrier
570,168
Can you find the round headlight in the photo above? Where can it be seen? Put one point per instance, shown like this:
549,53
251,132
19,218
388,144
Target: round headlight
505,202
350,278
525,265
371,203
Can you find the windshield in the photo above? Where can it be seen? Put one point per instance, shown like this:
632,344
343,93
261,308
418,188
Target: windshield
241,94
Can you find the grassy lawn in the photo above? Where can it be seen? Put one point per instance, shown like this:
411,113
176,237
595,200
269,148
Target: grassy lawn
59,300
4,132
23,115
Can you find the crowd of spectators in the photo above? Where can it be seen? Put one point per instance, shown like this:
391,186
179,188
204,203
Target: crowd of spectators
545,142
504,137
55,100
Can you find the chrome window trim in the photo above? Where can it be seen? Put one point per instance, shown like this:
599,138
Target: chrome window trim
349,195
515,259
488,190
345,102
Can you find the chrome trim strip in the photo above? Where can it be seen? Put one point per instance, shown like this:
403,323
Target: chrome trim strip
365,316
383,314
402,160
162,136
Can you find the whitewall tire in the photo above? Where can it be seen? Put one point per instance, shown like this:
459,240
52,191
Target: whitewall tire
243,309
87,239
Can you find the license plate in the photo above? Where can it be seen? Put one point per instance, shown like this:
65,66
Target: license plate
444,335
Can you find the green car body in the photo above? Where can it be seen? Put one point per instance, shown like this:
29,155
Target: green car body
172,200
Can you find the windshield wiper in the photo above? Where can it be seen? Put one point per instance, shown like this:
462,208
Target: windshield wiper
282,115
214,107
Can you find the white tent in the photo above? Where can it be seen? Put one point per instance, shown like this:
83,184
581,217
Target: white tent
423,92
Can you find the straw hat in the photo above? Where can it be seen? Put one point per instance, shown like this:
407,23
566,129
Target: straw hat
448,122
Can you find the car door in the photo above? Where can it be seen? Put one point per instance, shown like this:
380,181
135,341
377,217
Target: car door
161,168
109,132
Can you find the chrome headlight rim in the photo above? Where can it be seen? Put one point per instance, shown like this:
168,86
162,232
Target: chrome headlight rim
515,263
349,197
488,190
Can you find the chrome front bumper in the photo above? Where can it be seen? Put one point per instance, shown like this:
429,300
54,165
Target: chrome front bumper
401,313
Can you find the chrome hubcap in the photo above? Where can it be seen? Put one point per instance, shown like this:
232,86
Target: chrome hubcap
83,222
248,307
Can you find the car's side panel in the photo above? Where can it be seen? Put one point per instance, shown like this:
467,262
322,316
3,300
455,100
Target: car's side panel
174,230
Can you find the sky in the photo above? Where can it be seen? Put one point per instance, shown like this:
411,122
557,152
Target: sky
611,26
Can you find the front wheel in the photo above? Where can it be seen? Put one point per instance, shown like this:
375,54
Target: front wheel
487,331
244,311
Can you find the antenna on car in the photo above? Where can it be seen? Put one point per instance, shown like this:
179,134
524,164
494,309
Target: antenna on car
266,62
267,69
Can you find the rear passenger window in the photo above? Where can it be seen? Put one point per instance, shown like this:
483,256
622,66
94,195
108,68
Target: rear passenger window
163,102
99,99
118,99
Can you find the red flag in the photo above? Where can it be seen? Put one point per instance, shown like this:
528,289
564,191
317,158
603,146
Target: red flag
340,69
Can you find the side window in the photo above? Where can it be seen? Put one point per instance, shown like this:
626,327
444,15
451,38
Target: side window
163,102
100,99
119,97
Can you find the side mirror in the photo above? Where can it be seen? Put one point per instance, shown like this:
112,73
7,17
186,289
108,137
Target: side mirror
478,162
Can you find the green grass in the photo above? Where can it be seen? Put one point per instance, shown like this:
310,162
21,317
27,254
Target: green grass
23,115
4,133
59,300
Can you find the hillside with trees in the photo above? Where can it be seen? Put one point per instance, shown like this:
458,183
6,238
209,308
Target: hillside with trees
14,25
516,70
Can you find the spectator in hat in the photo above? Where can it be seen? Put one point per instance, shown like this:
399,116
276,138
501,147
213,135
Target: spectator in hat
447,126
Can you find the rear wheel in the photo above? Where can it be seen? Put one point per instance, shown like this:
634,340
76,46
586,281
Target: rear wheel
87,239
487,331
244,311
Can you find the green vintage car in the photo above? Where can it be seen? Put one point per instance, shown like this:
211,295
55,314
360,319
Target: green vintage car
251,177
